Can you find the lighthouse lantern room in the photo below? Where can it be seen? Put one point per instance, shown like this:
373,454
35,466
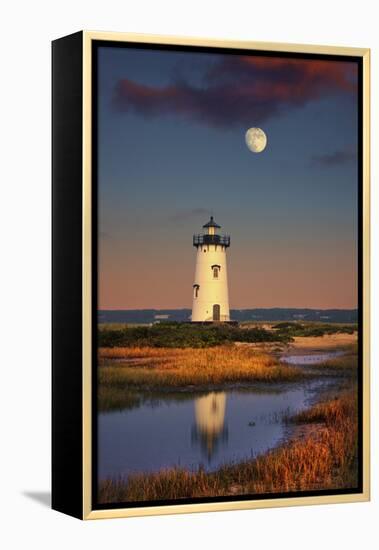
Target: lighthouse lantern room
210,288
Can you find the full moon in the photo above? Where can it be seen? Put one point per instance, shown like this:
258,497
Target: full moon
256,140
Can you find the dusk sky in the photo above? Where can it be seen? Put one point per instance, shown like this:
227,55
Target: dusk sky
172,151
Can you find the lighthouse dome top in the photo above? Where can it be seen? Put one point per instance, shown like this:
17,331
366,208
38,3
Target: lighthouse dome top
211,223
211,237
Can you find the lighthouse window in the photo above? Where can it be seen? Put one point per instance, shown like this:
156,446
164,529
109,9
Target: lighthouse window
215,269
196,290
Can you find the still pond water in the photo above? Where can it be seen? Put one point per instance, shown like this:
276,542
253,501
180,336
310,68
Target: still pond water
207,429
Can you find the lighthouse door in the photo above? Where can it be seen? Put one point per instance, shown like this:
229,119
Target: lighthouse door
216,312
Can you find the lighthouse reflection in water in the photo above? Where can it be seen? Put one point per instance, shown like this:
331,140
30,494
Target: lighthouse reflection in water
210,430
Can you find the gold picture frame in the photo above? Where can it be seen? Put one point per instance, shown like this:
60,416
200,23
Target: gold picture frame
83,507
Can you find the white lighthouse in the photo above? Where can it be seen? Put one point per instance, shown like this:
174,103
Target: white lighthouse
210,289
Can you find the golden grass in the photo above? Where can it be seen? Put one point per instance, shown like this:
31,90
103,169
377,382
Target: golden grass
326,458
332,413
326,342
138,352
172,367
347,362
124,370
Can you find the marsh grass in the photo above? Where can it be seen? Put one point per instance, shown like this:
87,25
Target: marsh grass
333,413
112,397
124,371
155,368
325,458
347,363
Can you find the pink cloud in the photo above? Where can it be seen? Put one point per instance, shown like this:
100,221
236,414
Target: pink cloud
240,88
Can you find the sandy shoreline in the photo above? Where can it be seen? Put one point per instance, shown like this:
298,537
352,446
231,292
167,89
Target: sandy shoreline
309,344
303,345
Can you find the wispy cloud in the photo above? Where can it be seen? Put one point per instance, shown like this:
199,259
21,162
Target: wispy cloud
189,214
335,158
240,89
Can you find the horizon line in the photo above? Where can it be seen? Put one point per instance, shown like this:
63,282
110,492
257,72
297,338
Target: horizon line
232,308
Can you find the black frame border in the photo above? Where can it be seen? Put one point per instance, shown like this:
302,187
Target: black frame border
67,258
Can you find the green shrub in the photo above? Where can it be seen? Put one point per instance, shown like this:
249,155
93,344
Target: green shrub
312,329
183,335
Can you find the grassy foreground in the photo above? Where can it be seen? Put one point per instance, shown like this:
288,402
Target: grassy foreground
325,458
153,369
122,371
